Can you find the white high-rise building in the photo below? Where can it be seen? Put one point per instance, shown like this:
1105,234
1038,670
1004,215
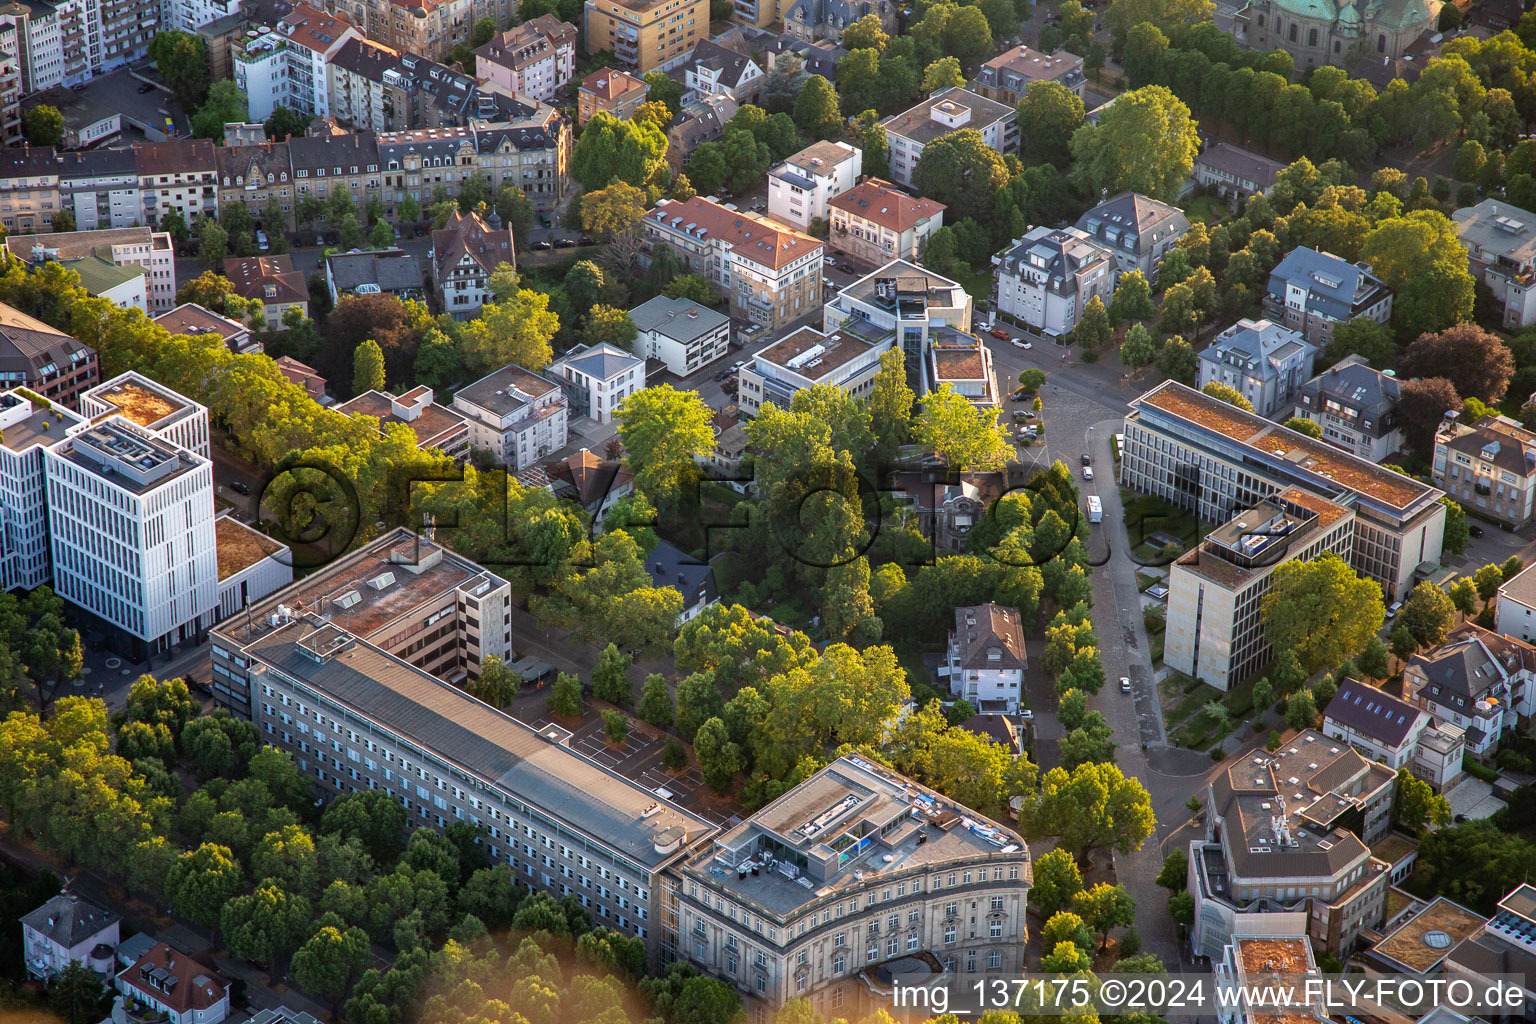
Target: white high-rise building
27,426
131,517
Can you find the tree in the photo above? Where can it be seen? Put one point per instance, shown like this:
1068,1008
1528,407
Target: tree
1146,142
1417,805
1137,350
565,697
1053,113
1420,258
1301,709
1093,327
1362,336
609,149
664,430
1428,614
367,367
1321,610
212,242
965,437
656,701
43,125
1104,908
1174,874
866,33
76,994
816,111
719,758
943,73
610,676
182,60
225,103
961,171
1132,300
332,959
284,124
1057,880
1226,393
1476,362
202,881
1094,805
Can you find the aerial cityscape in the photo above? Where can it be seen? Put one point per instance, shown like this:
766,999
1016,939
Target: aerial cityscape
767,511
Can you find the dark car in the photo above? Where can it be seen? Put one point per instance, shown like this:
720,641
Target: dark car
541,246
1475,531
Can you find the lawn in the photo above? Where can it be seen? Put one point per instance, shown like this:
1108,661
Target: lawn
1207,209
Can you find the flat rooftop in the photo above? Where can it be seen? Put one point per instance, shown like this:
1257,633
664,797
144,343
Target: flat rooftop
241,547
481,740
40,424
140,400
1421,941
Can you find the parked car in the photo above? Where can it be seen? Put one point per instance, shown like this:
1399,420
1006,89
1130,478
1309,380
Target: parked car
1021,343
998,332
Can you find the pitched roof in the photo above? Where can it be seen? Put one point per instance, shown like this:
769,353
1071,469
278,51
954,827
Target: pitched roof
882,203
468,236
69,920
987,628
1368,710
749,236
175,980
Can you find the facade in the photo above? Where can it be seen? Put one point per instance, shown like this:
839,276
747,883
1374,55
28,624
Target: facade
110,259
435,426
914,307
610,91
382,271
644,34
805,358
1215,460
598,378
770,274
1235,173
1477,680
1399,735
1047,278
180,175
945,111
985,659
1139,230
465,254
131,523
1501,247
681,333
536,58
1262,361
1006,77
800,188
272,281
49,362
517,416
713,69
27,426
1335,33
1357,408
1215,632
67,930
874,222
1489,466
1292,857
951,897
1310,291
171,982
101,188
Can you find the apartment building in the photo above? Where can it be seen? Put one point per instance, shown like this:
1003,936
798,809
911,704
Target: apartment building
517,416
917,308
808,357
856,874
1215,632
598,378
1501,245
947,110
1201,454
29,188
1235,173
435,426
1356,406
1138,229
27,426
465,253
101,188
101,257
645,34
260,176
131,523
1047,278
1383,728
1261,360
712,70
771,274
800,188
681,333
271,281
1310,291
49,362
609,90
1006,77
169,416
536,58
1489,466
180,175
985,658
1478,680
1286,847
874,222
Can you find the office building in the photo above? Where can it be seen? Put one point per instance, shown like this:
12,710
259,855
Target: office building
1138,229
771,274
131,523
1213,459
611,91
1311,291
1286,847
1047,278
985,659
1260,360
800,188
947,110
1384,728
808,357
1215,629
141,256
49,362
1477,680
435,426
155,407
68,930
27,426
465,253
598,378
1357,408
1489,466
536,58
645,34
271,281
1006,77
855,875
515,415
681,333
874,222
